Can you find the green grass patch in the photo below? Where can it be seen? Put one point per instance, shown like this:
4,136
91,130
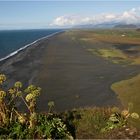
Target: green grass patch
128,92
111,53
93,122
116,56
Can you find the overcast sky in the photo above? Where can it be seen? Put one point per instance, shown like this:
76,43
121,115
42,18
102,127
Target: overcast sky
52,14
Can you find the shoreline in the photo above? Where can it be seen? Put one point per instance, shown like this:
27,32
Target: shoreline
28,45
67,73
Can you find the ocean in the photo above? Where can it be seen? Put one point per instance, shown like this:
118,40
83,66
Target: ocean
13,40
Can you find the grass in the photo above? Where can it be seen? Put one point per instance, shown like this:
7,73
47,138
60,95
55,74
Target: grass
128,91
115,55
92,121
88,122
108,35
96,123
112,37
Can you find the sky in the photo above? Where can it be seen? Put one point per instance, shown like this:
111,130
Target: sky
55,14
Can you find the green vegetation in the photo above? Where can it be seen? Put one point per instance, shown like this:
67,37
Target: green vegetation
115,55
123,36
77,123
16,125
99,122
116,32
128,93
127,51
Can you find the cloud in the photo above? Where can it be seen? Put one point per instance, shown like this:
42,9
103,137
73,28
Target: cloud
70,20
131,16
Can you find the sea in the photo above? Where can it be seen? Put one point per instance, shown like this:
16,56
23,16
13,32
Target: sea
12,41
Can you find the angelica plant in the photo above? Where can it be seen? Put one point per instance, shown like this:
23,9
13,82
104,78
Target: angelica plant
9,111
32,93
3,108
50,105
17,125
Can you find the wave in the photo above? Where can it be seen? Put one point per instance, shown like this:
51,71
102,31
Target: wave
24,47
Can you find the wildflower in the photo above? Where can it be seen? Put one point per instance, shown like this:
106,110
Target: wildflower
36,92
125,113
19,93
135,115
2,78
18,84
29,97
11,91
113,118
51,104
21,119
31,88
2,94
33,116
38,88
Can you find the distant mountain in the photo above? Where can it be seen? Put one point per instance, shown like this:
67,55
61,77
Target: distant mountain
84,26
107,25
125,26
101,25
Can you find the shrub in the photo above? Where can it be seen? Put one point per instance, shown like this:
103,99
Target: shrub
16,125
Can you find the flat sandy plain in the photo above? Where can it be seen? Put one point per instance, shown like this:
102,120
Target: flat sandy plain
68,72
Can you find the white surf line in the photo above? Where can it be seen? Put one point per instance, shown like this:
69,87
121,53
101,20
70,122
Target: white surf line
24,47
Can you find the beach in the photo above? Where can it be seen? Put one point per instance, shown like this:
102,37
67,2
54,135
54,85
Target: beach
68,74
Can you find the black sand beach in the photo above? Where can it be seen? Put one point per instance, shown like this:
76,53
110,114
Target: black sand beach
67,73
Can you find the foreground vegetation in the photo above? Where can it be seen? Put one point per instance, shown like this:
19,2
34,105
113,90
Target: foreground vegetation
100,123
77,123
128,93
17,125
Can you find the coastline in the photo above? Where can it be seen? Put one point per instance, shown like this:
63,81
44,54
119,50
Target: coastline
25,65
68,74
28,45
